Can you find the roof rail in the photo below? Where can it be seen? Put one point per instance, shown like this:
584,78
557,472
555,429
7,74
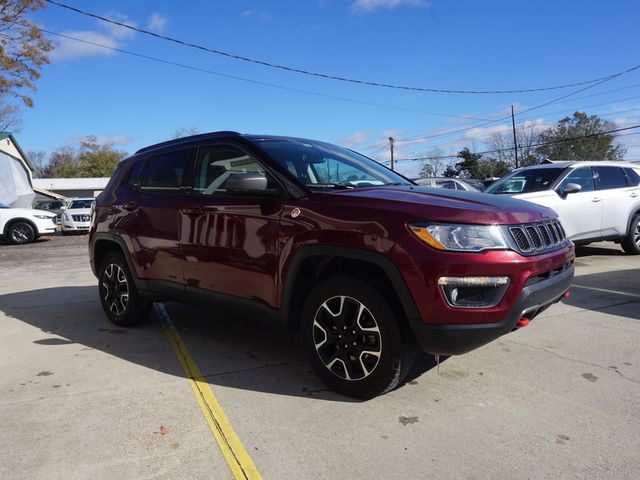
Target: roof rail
178,141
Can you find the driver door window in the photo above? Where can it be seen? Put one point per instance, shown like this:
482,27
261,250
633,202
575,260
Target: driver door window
216,164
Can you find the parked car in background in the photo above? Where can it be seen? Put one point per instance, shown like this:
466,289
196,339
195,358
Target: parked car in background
450,183
77,217
54,206
595,200
363,264
24,225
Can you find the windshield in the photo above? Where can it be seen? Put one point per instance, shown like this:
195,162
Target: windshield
2,205
322,165
526,180
80,204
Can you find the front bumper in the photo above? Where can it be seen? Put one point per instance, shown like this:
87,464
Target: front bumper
75,226
449,339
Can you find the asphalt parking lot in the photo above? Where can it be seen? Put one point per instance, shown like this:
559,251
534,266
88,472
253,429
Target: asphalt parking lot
81,398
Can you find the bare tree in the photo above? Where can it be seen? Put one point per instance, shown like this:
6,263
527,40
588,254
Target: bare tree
433,163
9,116
38,162
527,135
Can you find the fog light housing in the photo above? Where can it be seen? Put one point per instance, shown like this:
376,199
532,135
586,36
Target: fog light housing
473,292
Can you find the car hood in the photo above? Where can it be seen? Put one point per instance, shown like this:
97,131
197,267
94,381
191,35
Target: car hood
445,205
28,212
78,211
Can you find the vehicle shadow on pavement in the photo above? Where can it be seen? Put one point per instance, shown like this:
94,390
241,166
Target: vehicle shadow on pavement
611,250
230,350
614,292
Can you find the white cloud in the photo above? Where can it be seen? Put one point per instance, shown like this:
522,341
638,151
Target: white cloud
354,139
360,7
68,49
261,16
108,35
157,22
104,139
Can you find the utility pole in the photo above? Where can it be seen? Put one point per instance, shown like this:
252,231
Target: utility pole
515,141
391,147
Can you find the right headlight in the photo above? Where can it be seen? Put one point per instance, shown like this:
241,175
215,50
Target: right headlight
458,237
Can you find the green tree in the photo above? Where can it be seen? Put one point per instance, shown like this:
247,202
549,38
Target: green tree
23,49
450,171
96,160
469,164
490,167
598,147
426,171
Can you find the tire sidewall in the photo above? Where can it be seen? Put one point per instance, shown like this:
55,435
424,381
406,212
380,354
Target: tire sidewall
388,370
629,244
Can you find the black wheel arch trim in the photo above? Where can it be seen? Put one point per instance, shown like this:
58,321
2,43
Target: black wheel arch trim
367,256
13,221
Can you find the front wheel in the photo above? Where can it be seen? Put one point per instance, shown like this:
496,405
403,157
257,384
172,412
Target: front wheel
118,294
356,343
631,243
21,233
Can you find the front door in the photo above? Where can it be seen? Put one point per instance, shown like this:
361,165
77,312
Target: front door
581,212
229,242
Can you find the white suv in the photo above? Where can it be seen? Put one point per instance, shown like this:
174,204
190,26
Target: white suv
595,200
77,216
24,225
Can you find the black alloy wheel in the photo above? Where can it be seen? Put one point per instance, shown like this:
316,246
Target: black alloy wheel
355,337
21,233
347,338
118,293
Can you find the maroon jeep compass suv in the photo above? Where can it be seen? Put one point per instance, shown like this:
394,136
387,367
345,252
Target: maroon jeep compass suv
363,265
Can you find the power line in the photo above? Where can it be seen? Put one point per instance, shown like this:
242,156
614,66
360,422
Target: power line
248,80
535,145
328,76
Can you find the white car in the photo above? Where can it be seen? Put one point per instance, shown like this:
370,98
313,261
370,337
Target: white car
595,200
24,225
77,216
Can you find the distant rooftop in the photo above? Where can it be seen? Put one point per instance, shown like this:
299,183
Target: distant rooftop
62,184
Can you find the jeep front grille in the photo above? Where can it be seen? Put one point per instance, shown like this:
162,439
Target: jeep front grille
534,238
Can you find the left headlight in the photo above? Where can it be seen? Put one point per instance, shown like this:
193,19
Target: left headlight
459,237
43,217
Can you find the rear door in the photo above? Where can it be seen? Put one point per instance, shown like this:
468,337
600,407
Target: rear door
615,194
151,217
230,242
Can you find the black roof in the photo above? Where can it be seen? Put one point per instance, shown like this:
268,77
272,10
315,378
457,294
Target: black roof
189,139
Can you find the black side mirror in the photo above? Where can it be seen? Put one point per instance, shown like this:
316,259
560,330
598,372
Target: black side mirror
250,184
570,188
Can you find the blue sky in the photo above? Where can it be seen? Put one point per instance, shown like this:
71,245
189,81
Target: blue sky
451,44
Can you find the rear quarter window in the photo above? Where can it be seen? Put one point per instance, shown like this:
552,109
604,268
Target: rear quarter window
135,173
633,177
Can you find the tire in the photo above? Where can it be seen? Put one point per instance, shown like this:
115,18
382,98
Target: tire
119,297
379,349
631,243
20,233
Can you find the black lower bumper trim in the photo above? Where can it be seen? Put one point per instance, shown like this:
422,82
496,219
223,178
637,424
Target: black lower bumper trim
458,339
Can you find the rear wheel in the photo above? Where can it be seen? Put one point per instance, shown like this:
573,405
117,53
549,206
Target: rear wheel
21,232
353,338
631,243
118,294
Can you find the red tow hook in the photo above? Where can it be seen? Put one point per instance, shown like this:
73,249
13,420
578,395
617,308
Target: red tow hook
523,322
566,295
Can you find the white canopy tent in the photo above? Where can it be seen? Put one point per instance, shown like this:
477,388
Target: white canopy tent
15,174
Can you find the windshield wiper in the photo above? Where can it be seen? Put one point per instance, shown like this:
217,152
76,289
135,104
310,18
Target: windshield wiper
397,184
339,186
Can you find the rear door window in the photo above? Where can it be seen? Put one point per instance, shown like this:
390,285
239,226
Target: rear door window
610,177
168,172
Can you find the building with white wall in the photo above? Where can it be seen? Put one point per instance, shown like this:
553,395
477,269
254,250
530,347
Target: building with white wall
16,188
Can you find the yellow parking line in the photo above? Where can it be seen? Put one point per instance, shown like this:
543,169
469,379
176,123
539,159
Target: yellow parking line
240,463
